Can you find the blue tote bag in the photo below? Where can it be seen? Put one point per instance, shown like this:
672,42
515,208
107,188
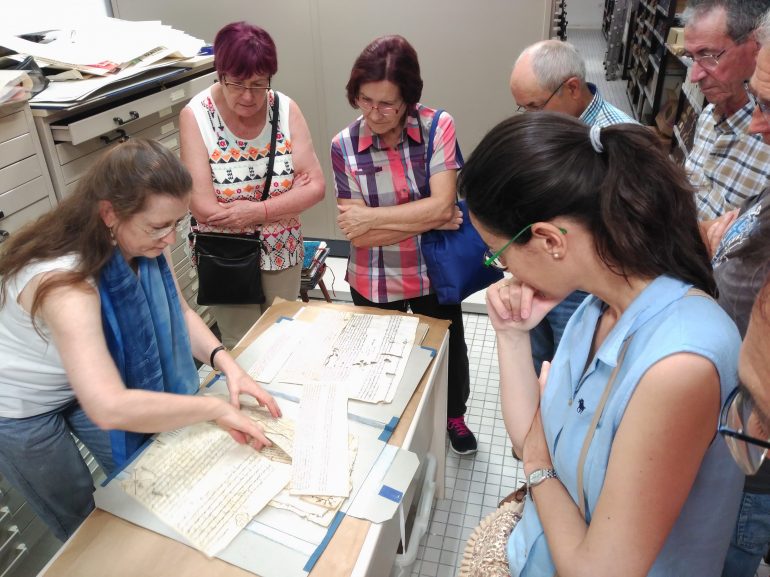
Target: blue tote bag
454,258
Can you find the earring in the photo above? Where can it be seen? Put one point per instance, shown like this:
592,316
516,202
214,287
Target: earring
112,237
556,255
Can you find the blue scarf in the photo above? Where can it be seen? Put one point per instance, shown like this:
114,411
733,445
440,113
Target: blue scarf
146,335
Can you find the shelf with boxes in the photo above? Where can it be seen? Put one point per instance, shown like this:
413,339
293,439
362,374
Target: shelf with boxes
652,73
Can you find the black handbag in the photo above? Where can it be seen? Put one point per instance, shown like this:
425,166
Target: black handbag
229,264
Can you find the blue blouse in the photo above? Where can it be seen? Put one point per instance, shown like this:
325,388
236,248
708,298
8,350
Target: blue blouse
663,321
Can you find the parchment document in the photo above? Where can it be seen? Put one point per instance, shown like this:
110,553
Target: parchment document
320,463
204,485
366,353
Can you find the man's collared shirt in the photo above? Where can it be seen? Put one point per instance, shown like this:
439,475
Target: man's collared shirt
726,165
601,113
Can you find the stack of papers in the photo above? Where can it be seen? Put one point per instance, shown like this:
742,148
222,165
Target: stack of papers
96,54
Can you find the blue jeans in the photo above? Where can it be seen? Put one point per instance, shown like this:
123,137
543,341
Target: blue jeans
40,459
750,538
545,337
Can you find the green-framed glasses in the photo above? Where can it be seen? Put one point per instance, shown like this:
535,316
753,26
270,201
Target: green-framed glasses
493,258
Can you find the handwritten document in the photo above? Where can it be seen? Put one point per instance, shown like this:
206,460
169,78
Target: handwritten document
319,509
320,463
204,485
365,353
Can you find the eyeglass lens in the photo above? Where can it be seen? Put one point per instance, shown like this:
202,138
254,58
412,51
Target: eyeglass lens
742,418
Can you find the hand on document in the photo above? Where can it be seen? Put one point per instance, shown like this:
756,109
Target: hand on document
234,421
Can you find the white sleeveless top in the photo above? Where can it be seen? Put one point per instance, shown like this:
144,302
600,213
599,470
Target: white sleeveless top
238,170
32,378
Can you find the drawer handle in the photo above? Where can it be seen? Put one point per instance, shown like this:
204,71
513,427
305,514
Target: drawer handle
4,234
6,510
2,214
13,530
22,550
132,115
121,137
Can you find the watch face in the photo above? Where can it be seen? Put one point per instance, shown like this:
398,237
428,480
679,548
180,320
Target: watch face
536,476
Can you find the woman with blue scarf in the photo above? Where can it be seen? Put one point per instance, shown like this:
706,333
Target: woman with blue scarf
95,339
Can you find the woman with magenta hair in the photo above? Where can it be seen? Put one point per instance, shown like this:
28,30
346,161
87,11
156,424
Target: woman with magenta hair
385,204
226,138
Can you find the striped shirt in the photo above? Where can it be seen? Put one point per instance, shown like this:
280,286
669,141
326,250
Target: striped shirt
726,165
601,113
365,168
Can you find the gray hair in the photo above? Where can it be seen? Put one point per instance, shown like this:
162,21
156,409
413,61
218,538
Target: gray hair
743,16
762,33
554,61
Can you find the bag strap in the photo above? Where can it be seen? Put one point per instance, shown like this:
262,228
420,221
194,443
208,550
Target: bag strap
595,423
271,157
429,151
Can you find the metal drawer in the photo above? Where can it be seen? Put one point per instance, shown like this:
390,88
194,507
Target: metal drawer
15,221
16,149
13,125
19,172
16,199
123,115
67,152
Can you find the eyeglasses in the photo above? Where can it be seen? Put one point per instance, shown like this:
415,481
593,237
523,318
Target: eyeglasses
738,423
493,258
758,103
706,61
159,233
530,108
238,89
367,105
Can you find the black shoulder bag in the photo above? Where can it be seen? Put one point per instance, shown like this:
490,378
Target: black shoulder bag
229,264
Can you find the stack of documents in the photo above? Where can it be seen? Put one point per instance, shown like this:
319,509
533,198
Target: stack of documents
89,57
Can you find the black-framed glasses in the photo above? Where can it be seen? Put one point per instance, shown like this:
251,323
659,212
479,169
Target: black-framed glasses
366,104
739,424
493,258
760,103
530,108
707,61
238,88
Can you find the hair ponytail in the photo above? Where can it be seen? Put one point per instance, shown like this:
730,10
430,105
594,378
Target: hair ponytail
636,202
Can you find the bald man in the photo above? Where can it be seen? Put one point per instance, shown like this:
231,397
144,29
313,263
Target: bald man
551,75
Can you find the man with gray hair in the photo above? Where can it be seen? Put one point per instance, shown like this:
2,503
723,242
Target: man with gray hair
726,164
551,75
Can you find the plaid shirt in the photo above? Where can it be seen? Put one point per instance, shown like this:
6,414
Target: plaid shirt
726,165
601,113
366,169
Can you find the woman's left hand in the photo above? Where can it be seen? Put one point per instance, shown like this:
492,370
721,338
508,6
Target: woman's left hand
355,219
238,214
536,454
243,384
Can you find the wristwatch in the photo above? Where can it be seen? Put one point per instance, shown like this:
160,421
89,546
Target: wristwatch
538,476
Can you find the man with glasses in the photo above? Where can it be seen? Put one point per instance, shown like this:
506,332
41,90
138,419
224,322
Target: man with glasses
551,76
726,165
741,265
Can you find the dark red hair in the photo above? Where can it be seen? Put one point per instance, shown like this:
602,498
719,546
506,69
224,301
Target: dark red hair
389,58
242,50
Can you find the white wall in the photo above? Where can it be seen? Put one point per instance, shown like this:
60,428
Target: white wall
51,14
584,14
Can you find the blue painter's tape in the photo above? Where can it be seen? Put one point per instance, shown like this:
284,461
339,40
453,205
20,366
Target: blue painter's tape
322,546
388,430
391,494
284,318
431,349
214,380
